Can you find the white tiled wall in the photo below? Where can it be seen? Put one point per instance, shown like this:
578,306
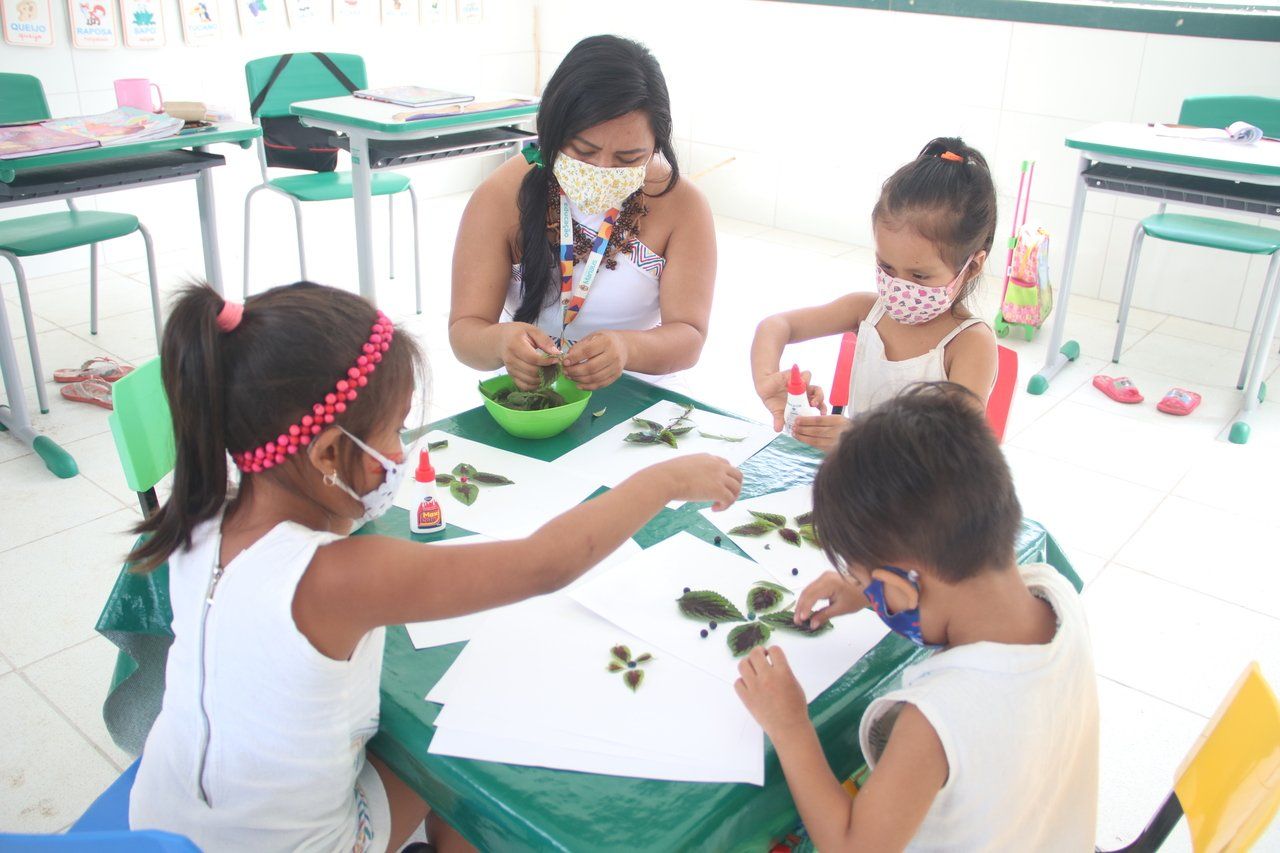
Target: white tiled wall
495,54
819,104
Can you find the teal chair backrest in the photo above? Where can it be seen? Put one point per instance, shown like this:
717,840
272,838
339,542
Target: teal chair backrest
303,79
22,99
1222,110
142,427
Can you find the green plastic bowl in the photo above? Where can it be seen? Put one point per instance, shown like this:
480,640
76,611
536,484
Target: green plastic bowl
541,424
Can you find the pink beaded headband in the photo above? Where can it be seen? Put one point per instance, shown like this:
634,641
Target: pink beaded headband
323,413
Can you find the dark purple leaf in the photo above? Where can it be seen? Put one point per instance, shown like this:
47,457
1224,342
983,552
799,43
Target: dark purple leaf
622,653
765,596
786,620
633,678
464,470
755,528
770,518
492,479
444,479
744,638
466,493
789,535
705,605
804,518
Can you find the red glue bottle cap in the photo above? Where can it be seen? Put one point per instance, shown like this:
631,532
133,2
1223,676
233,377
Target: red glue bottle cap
795,385
425,473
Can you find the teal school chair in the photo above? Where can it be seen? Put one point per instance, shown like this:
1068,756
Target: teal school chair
1214,111
22,99
274,84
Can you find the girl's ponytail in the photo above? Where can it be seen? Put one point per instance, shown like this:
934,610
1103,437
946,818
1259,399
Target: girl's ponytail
192,366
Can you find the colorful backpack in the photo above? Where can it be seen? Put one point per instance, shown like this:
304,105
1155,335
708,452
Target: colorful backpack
1028,297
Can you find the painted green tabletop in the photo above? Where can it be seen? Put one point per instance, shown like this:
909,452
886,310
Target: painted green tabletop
352,112
228,131
505,807
1134,141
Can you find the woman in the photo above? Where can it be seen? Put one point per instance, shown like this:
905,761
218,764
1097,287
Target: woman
637,303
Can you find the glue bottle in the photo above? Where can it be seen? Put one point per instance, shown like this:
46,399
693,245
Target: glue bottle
426,515
797,401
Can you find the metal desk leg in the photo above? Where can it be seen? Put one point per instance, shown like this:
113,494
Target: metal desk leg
209,227
361,197
1060,353
14,417
1253,389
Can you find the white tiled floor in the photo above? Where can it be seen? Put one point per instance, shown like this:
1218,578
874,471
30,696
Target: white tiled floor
1173,530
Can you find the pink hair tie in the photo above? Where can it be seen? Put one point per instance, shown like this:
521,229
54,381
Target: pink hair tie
229,316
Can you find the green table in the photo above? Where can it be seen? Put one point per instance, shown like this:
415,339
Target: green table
503,807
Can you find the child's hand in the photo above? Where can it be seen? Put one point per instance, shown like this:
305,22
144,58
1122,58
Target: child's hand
596,361
820,431
525,350
773,393
771,692
701,477
841,594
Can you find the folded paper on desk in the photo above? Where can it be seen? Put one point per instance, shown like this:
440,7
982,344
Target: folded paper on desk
460,109
1240,131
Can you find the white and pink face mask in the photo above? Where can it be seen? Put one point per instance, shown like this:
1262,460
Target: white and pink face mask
911,303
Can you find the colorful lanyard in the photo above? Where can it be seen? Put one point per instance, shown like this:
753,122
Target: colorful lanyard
574,296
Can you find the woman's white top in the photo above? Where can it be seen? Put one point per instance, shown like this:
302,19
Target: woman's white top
876,379
1019,726
260,739
623,298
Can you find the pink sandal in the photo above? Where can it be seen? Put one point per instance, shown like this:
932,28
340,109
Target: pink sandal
1121,389
95,392
101,367
1179,401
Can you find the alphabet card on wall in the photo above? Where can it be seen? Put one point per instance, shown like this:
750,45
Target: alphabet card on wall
308,13
201,21
355,11
93,24
27,23
399,11
258,16
470,11
143,23
433,11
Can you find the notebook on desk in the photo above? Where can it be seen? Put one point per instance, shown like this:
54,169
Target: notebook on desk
413,96
28,140
460,109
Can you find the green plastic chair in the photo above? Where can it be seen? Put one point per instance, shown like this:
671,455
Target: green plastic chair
1214,111
306,78
143,431
22,99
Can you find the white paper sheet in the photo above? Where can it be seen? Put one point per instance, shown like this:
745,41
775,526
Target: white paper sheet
459,629
540,491
640,596
610,460
781,556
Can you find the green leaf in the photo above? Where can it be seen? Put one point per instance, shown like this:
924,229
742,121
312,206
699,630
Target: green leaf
734,438
668,437
771,518
680,430
755,528
786,620
705,605
438,445
808,534
642,438
633,678
744,638
622,653
804,518
444,479
492,479
600,413
464,470
789,535
644,657
651,426
763,598
614,666
466,493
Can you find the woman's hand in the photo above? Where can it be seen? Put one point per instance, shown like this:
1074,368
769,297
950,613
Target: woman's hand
697,478
820,431
773,393
597,360
771,692
525,350
841,594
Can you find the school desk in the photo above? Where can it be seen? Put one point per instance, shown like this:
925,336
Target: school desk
91,171
505,807
377,140
1132,160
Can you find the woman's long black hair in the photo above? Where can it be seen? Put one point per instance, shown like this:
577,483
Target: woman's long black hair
602,78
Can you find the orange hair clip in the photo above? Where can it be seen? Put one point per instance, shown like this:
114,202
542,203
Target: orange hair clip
948,155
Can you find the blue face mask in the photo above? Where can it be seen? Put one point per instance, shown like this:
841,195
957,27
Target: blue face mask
904,622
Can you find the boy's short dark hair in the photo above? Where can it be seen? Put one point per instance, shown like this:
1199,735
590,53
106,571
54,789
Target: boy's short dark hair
919,478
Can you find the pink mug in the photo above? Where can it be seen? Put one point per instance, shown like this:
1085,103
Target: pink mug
136,92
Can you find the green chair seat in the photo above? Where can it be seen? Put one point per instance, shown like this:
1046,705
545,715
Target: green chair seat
332,186
1212,233
53,232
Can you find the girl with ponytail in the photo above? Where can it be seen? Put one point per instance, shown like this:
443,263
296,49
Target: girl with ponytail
934,225
278,615
590,250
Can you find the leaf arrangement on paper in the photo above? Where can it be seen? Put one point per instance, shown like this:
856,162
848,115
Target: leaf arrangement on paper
465,481
766,612
620,660
652,432
769,522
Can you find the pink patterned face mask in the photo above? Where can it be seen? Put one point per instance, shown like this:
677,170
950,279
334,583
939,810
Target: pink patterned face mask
912,304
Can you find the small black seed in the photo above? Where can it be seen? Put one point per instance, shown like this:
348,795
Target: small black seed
686,590
714,625
703,633
766,547
718,540
795,571
631,664
751,614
